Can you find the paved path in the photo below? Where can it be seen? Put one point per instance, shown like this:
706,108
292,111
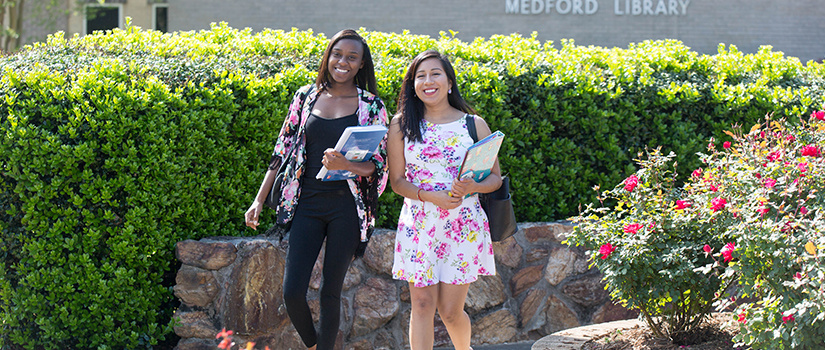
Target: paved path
574,338
511,346
569,339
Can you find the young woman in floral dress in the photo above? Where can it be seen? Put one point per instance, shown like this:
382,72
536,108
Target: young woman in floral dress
443,239
341,213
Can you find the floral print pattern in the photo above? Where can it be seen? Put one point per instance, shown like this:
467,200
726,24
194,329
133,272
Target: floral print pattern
291,146
432,244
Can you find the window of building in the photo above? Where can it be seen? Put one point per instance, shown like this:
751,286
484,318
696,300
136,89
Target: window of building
159,17
101,17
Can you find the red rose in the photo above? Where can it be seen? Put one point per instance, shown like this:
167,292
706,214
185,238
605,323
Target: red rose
727,251
632,228
718,204
630,183
809,150
606,249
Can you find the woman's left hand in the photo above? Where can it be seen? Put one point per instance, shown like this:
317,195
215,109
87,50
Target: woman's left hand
334,160
463,186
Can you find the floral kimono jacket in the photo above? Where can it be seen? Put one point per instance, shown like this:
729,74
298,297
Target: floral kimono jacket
291,147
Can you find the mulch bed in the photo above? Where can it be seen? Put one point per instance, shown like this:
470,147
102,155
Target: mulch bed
714,334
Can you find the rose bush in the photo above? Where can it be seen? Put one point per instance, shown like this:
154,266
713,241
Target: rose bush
649,244
773,178
751,215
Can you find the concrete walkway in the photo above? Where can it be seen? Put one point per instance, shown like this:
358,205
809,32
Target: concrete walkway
568,339
574,338
507,346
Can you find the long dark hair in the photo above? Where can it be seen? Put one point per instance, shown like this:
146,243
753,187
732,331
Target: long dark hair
411,107
365,78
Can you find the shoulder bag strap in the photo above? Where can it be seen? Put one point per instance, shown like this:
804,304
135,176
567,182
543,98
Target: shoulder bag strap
471,126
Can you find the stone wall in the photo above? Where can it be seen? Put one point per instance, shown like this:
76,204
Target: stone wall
541,287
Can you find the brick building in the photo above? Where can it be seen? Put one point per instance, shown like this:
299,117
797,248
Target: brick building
793,27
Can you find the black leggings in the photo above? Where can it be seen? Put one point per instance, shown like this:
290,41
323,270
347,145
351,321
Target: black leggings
319,215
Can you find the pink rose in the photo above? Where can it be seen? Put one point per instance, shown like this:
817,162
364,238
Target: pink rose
803,167
456,226
682,205
774,156
473,225
818,115
727,251
442,250
726,145
697,173
718,204
632,228
713,188
803,210
606,249
769,183
419,216
797,276
707,249
790,138
809,150
789,318
742,318
431,152
630,183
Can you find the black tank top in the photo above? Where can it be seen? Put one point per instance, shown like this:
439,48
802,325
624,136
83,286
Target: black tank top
321,134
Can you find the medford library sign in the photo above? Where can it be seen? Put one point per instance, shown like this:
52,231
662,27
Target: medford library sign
590,7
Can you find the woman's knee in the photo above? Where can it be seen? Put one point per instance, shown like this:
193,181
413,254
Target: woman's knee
294,295
451,314
422,302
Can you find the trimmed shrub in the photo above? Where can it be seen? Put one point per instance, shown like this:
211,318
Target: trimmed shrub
117,145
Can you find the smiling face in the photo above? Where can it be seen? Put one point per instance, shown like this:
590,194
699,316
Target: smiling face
431,82
345,59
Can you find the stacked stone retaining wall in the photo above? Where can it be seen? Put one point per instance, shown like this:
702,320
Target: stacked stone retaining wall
541,286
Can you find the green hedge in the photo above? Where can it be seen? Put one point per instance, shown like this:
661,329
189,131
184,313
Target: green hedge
116,146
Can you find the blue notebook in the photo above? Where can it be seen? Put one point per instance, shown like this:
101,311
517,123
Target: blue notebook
357,144
481,157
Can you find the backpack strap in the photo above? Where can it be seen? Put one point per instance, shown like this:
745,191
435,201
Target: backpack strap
471,126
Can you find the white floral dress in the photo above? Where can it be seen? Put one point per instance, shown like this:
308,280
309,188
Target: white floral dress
432,244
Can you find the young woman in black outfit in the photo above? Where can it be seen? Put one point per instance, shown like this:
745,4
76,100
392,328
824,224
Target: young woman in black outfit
340,212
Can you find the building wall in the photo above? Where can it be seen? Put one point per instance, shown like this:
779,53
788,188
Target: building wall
793,27
140,11
43,18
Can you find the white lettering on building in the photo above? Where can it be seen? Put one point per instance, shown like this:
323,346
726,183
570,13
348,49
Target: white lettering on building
589,7
650,7
562,7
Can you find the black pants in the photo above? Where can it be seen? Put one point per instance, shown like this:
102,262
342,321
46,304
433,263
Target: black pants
320,215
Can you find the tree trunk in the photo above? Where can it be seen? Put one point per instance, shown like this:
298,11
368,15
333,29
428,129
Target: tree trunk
10,21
